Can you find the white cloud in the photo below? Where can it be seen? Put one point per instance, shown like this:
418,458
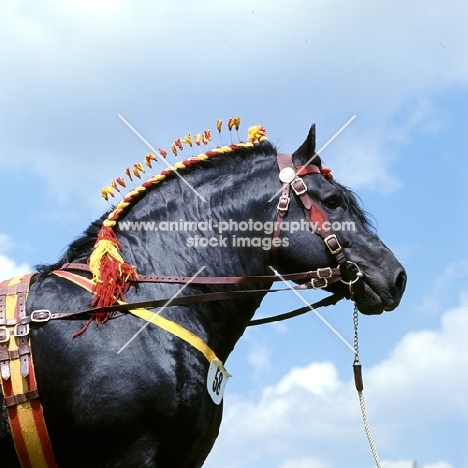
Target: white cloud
303,415
398,464
315,378
8,267
414,464
445,285
163,62
362,161
5,243
422,115
441,464
306,462
425,360
259,357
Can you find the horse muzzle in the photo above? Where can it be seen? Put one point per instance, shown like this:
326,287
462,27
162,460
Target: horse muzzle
373,296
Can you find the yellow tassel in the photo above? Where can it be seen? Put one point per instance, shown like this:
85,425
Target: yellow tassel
188,139
256,133
103,247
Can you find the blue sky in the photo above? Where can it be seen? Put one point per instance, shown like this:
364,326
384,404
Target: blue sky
67,69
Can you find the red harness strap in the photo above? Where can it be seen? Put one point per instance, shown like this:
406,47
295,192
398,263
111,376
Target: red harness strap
291,177
18,380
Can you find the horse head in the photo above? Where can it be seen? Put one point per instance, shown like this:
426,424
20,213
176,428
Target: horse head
371,275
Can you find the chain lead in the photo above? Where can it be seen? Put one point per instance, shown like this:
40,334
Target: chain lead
356,335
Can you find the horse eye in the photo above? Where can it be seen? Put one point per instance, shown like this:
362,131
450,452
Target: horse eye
332,202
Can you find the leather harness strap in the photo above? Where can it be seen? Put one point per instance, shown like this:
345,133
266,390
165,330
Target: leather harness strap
18,379
291,177
21,331
141,312
44,315
210,280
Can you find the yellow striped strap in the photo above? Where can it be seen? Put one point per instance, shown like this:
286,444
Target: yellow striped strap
24,410
151,317
176,330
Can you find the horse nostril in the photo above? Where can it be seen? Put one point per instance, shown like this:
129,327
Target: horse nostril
400,282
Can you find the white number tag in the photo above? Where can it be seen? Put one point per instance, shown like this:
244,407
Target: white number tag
216,380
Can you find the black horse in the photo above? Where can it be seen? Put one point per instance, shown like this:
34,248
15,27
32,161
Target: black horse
109,402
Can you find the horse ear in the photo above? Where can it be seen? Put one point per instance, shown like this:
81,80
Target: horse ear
307,149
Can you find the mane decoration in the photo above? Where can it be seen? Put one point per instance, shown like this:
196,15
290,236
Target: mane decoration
112,276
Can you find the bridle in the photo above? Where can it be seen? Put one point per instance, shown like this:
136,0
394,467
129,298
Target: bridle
291,178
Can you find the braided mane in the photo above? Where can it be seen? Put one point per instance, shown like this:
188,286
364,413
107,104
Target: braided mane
137,193
112,276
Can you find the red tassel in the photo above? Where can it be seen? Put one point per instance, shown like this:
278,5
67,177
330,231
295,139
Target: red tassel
115,281
111,274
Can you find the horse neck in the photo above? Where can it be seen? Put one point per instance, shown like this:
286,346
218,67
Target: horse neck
236,191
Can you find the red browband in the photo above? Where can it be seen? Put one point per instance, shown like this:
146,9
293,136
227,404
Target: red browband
314,169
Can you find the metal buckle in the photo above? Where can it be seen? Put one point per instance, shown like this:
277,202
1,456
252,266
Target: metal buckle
17,333
283,203
328,272
7,334
332,251
299,191
314,281
45,318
